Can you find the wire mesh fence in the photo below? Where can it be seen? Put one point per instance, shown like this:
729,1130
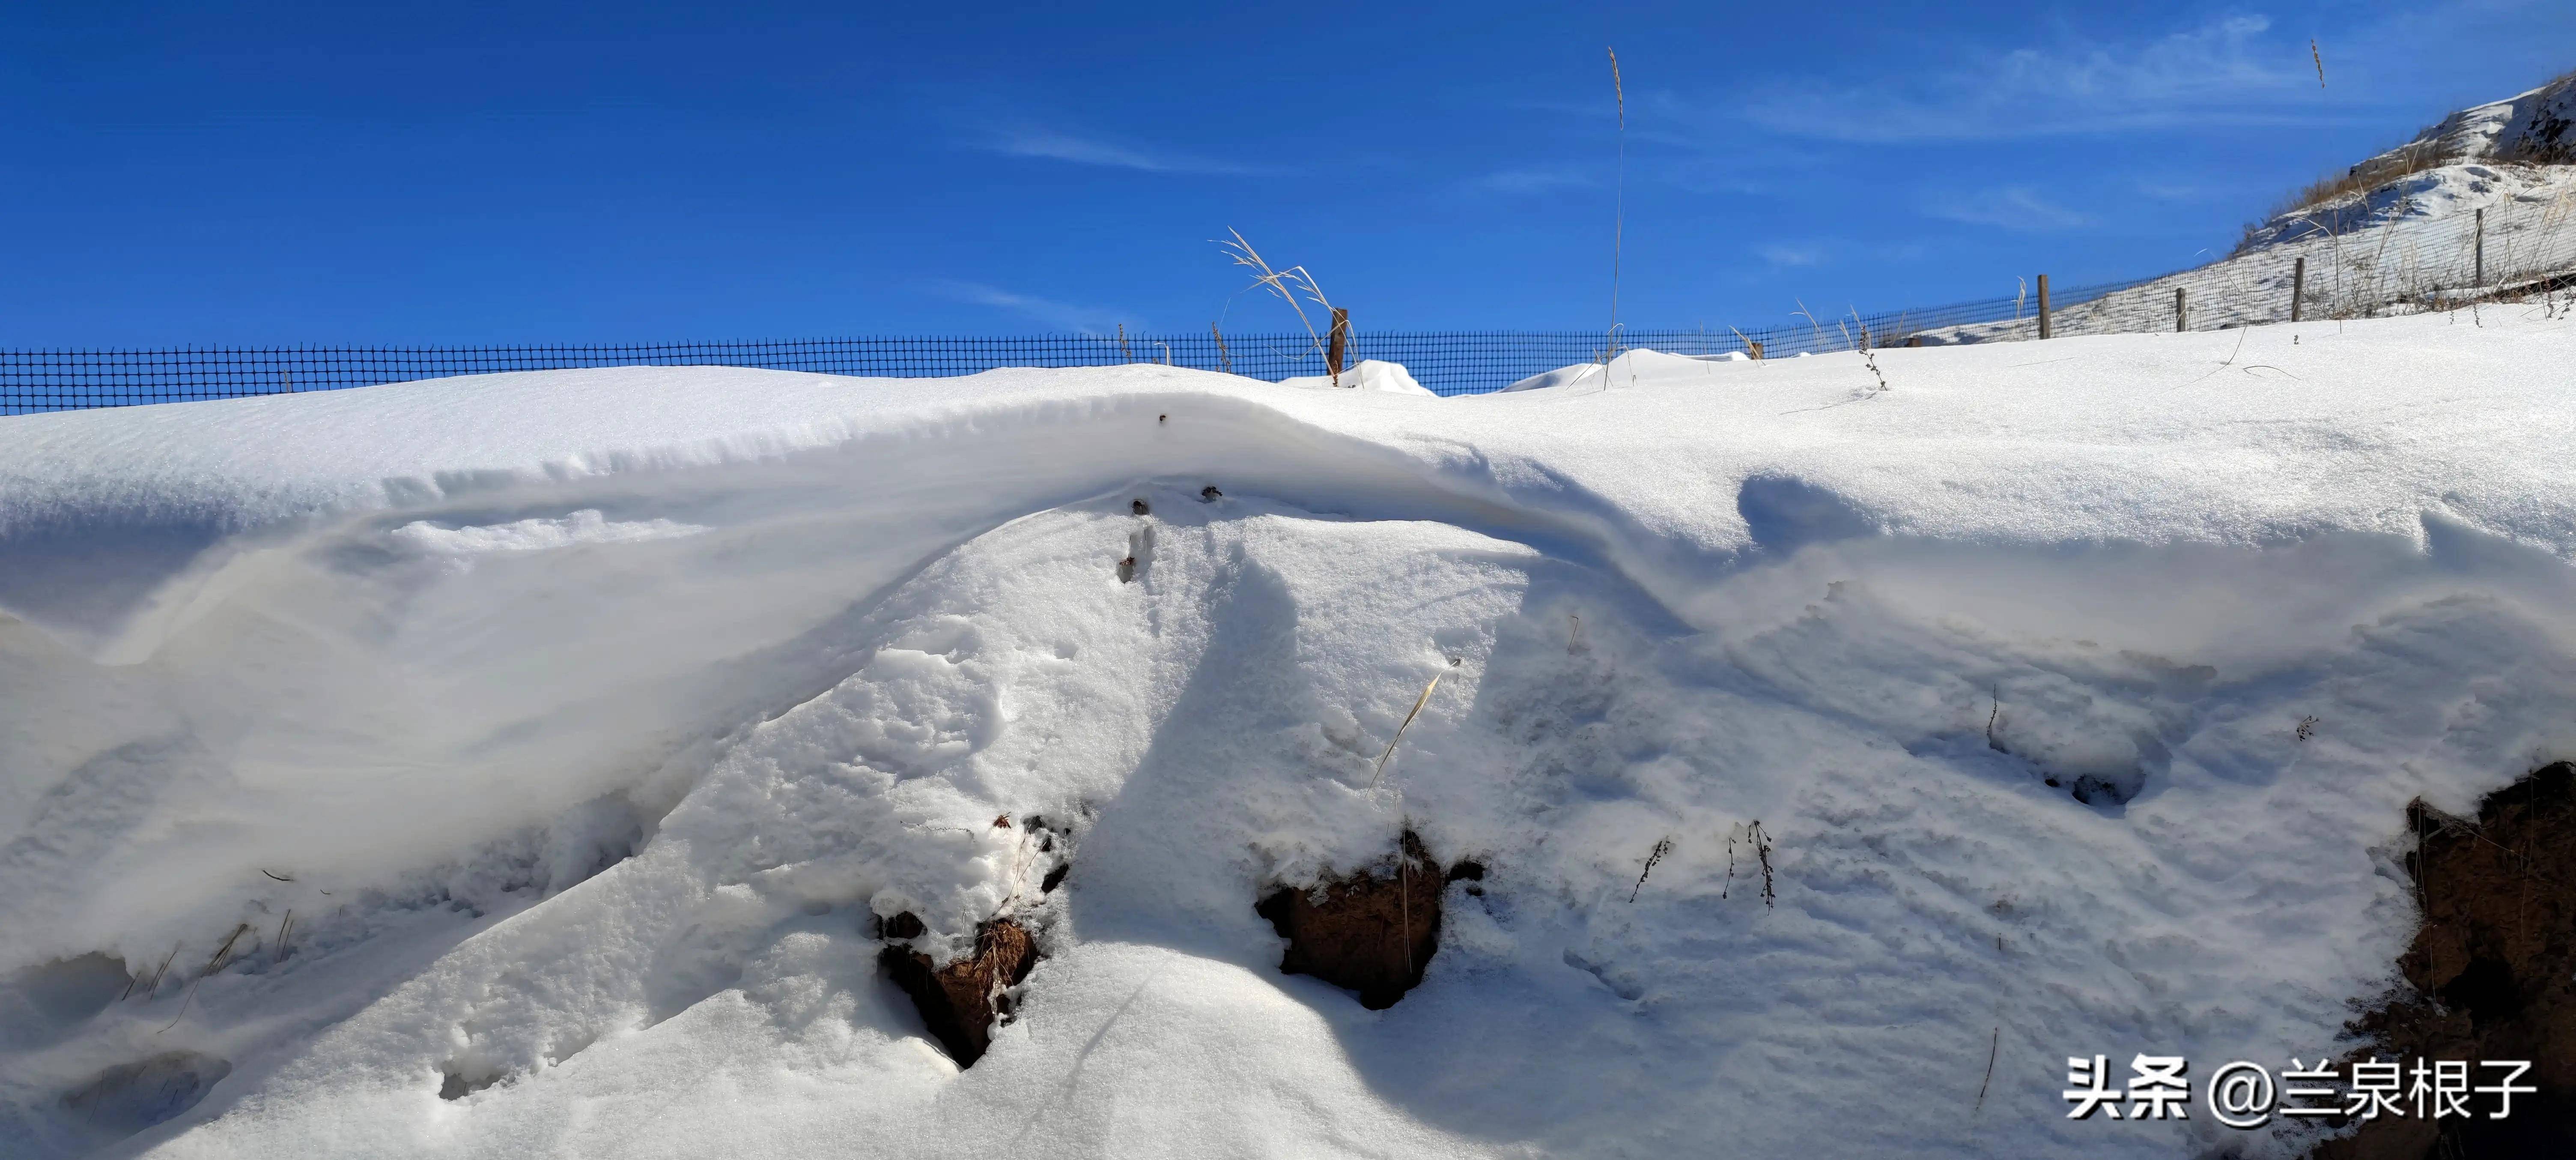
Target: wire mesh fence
2352,269
1447,362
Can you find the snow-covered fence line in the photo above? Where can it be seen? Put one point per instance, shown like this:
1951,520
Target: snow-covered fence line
2398,264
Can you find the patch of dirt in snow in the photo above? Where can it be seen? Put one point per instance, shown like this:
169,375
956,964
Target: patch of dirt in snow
2492,972
1372,932
959,1002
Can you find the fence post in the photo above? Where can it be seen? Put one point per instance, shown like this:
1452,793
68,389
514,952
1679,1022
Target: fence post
2298,286
1340,345
2482,246
2180,318
2043,306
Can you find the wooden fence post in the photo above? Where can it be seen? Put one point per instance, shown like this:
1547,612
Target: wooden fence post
2482,246
2043,306
1340,344
2298,286
2179,317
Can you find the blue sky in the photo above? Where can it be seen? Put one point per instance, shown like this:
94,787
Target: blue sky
472,173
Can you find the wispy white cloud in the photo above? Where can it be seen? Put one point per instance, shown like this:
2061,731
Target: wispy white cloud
1542,179
1797,253
1784,256
1063,315
2185,192
2216,73
2011,207
1053,145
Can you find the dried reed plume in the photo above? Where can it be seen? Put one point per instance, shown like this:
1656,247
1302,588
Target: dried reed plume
1284,283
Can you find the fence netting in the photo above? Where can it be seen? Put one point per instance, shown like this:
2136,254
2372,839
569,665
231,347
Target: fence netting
2352,270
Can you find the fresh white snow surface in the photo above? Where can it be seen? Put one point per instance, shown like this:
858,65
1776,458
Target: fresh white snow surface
583,719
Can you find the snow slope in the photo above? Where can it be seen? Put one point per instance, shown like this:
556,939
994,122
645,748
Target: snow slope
2504,189
2538,126
584,720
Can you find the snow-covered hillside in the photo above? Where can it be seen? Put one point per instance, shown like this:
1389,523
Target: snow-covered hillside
2482,201
529,764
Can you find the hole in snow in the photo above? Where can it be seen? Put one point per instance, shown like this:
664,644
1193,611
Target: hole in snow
457,1083
41,1004
130,1097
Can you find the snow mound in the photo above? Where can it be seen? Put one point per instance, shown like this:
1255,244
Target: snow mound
1368,375
1631,366
1819,744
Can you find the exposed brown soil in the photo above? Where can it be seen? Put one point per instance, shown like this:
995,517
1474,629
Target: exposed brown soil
1372,932
2492,972
959,1001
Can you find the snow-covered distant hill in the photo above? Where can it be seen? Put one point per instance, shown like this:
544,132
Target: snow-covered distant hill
2482,203
2518,150
2538,126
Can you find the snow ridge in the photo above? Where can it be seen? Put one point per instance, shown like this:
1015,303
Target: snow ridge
2077,705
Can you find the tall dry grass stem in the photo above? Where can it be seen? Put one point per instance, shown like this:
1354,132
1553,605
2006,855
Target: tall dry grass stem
1287,284
1618,215
1416,711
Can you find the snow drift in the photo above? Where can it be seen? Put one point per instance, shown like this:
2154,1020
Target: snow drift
532,763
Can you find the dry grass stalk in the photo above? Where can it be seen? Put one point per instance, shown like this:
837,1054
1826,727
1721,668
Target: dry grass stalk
1619,214
1994,1044
1812,324
154,987
1868,355
1287,284
212,965
1751,834
1416,711
1662,847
